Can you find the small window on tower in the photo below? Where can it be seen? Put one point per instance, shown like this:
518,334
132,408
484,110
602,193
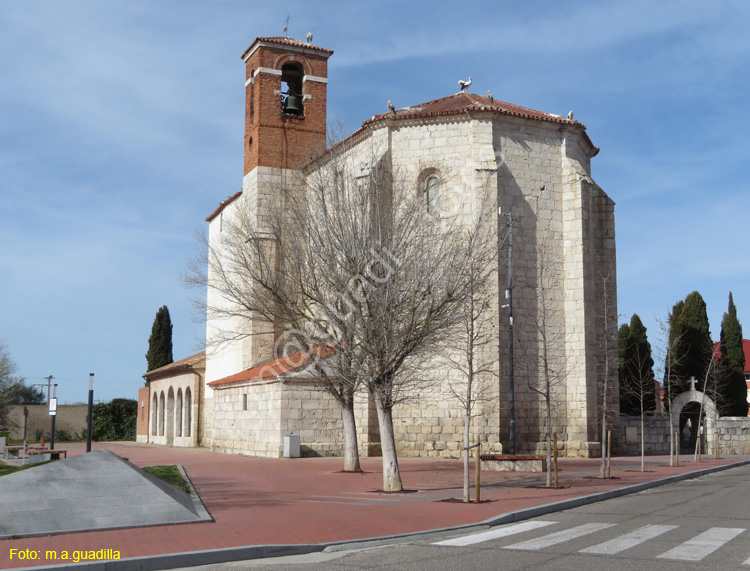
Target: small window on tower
291,89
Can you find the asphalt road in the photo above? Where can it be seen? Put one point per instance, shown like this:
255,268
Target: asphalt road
695,524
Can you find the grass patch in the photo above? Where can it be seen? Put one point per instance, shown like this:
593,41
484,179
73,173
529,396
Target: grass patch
6,469
171,475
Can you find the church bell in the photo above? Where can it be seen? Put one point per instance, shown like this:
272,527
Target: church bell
293,105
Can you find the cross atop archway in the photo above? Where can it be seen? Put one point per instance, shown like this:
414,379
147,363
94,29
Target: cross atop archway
692,383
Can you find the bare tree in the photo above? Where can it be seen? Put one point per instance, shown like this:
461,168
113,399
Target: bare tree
12,389
670,354
350,269
550,337
610,358
476,334
637,383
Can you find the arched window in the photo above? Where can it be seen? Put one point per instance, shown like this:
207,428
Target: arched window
291,89
432,195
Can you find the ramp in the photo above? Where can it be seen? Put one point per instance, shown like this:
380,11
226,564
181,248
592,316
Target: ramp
91,492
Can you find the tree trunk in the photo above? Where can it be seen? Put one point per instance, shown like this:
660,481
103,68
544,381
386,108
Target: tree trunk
549,442
603,466
391,474
467,426
351,452
643,442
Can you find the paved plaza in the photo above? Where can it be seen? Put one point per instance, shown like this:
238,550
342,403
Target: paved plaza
307,502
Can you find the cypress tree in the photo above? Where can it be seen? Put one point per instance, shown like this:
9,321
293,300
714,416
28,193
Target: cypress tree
675,352
693,346
622,341
732,389
160,342
638,390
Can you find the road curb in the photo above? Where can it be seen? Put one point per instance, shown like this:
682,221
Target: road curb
230,554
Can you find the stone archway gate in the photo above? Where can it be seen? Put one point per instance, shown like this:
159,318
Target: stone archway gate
709,410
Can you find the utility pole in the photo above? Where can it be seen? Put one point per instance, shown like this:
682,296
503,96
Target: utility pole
509,305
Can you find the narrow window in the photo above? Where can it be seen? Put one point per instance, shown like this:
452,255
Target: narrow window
432,195
244,402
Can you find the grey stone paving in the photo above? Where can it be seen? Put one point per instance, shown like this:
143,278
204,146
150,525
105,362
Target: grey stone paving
93,491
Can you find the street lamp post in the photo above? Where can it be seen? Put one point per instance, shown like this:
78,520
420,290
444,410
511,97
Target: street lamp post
53,414
91,412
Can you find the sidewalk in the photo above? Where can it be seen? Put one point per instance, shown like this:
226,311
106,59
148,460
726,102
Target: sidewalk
260,501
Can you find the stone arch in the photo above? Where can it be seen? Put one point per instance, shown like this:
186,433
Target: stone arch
709,411
284,59
162,403
188,412
178,413
154,415
170,417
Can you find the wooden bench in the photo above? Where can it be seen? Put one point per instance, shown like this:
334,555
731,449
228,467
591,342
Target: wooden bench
15,450
29,450
39,451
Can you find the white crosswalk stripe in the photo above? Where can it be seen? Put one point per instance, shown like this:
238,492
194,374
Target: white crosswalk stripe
694,549
559,537
703,544
628,540
497,533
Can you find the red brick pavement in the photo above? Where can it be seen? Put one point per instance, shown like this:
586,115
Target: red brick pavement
256,501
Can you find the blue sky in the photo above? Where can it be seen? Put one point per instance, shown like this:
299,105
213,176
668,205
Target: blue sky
121,127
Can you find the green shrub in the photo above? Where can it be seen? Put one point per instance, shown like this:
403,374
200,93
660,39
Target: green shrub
114,420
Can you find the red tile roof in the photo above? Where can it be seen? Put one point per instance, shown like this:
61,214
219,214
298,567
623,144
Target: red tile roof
286,41
272,368
462,102
745,350
187,364
458,104
223,205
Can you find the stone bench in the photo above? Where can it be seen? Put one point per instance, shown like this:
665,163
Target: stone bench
508,463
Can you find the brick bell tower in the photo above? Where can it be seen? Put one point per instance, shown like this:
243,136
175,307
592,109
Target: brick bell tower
285,102
285,127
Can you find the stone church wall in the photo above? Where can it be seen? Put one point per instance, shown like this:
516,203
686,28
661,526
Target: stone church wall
253,419
535,169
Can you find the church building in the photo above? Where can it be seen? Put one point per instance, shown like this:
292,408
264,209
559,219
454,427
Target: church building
243,398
